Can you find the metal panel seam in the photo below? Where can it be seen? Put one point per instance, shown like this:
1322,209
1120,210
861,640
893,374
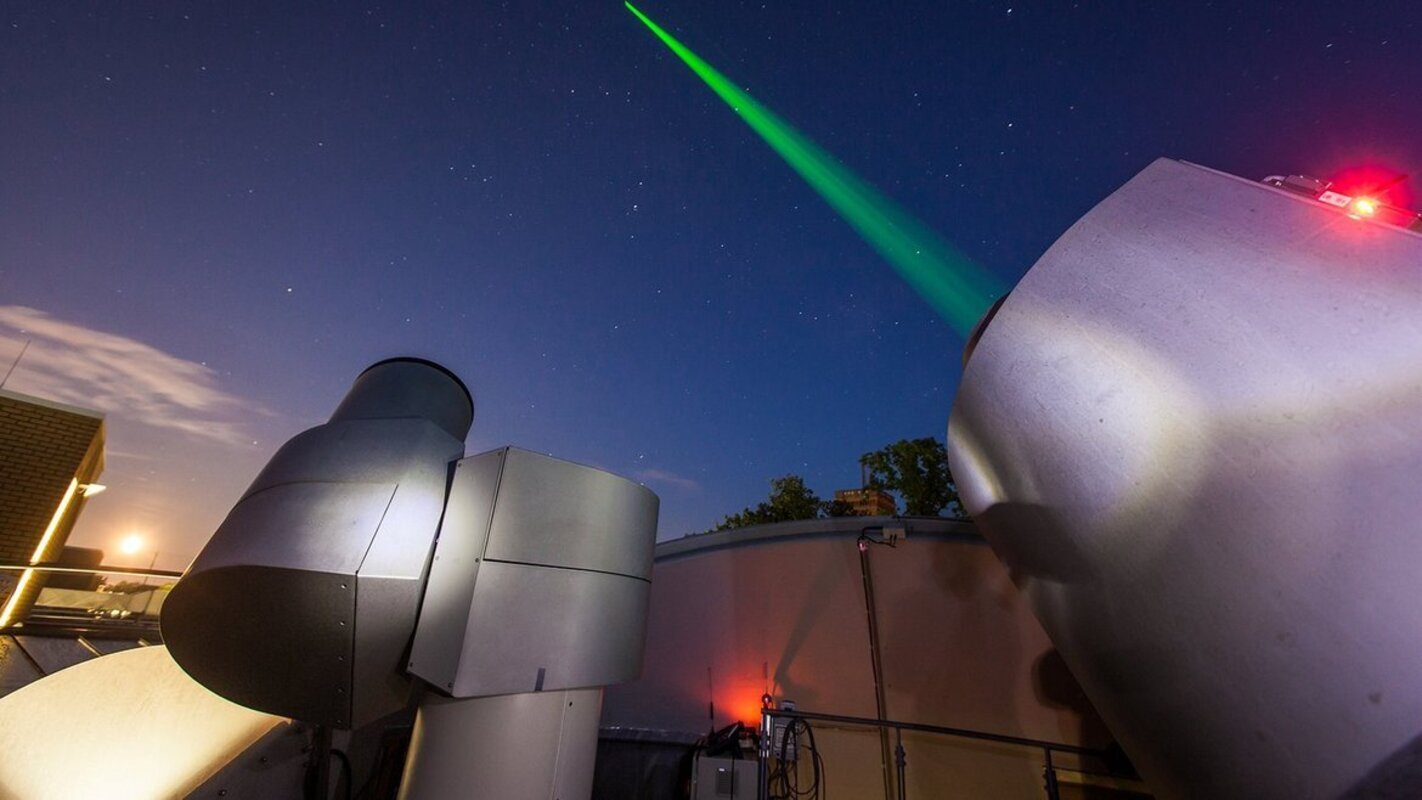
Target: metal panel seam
562,735
572,569
493,507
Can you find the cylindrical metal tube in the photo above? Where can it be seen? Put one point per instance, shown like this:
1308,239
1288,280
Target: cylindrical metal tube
404,388
531,746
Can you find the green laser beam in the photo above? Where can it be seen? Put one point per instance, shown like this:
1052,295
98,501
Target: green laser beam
958,289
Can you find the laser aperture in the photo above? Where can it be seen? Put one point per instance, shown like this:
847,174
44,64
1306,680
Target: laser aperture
958,289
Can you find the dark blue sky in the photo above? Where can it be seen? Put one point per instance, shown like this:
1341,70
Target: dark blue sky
255,202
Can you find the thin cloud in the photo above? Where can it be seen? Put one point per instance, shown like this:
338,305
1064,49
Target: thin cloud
118,375
671,479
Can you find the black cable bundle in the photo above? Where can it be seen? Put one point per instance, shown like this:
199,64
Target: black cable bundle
785,778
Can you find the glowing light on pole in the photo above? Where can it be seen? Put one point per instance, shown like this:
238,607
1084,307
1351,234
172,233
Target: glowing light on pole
133,544
959,290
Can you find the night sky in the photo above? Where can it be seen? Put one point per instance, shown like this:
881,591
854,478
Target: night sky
212,217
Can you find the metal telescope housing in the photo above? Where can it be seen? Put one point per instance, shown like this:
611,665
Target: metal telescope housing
303,602
1194,432
529,577
516,604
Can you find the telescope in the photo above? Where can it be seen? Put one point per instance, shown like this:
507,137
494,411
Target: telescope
371,565
1193,431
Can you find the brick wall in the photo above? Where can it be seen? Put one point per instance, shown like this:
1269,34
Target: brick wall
43,446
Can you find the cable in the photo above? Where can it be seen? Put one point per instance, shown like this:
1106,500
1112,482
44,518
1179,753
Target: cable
345,769
787,774
865,538
384,777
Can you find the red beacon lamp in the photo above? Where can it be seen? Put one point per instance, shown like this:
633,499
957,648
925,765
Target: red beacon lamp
1360,205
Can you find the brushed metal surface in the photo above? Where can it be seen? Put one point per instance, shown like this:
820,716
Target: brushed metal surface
305,598
513,747
338,522
1192,431
385,612
562,514
545,628
444,613
409,453
272,639
524,580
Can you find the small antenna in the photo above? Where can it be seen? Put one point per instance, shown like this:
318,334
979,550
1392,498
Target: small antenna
14,364
1383,187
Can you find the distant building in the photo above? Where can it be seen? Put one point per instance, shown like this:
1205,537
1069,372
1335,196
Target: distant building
50,455
943,639
868,502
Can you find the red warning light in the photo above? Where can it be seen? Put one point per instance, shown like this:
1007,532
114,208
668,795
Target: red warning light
1376,182
1363,207
746,709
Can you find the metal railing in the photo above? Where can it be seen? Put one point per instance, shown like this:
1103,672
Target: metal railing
87,612
68,569
1049,773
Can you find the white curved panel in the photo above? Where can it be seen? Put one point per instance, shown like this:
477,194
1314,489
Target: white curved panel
127,725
